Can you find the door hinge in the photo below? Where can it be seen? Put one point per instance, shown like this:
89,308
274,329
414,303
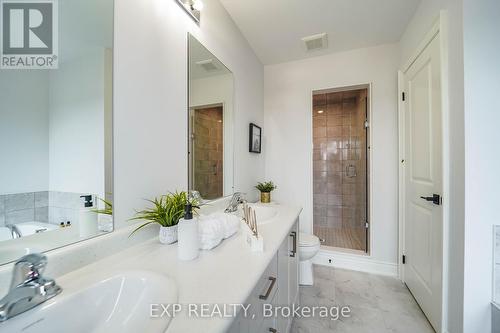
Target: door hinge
404,259
367,124
403,96
367,225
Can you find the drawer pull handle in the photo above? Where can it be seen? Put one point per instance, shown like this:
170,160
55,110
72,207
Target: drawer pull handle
293,234
268,292
273,330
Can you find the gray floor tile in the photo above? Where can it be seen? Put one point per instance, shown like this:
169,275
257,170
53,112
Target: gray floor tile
378,304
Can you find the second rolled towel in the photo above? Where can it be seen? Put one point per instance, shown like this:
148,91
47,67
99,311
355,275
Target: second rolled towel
215,227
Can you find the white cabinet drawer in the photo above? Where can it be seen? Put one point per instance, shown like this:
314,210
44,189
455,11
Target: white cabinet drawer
267,286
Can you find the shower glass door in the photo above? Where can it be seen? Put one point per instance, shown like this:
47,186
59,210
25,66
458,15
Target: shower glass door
340,167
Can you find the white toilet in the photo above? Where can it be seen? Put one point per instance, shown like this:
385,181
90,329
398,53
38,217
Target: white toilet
308,247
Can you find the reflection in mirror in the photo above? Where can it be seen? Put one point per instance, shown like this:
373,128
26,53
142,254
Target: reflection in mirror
210,123
56,138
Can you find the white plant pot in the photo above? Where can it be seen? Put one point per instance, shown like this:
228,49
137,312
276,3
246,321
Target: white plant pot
168,235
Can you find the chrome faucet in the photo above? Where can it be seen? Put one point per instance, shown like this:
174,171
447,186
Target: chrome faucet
28,287
14,231
237,199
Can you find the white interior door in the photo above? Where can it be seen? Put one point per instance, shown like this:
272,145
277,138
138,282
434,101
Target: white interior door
423,181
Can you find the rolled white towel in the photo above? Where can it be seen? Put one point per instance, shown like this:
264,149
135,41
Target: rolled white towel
213,228
210,232
230,222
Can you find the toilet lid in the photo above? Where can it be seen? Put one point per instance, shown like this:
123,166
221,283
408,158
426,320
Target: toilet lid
308,240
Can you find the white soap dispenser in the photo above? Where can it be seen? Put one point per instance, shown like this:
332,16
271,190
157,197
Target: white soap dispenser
188,246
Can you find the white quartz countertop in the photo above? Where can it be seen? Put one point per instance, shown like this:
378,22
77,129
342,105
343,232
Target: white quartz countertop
224,275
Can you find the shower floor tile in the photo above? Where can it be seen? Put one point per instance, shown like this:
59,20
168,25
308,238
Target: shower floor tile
345,237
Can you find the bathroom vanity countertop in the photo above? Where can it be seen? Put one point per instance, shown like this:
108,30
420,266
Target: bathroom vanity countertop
224,275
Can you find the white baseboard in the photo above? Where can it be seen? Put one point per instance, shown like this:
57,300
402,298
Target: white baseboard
355,262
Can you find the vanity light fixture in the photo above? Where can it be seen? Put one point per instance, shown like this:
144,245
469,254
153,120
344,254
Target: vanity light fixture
192,7
197,5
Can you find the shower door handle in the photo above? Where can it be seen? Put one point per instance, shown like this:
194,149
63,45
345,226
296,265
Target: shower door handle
436,199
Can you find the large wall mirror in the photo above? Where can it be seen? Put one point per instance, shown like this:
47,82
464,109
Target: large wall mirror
56,170
210,114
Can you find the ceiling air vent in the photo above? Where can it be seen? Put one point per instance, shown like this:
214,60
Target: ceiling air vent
208,65
316,42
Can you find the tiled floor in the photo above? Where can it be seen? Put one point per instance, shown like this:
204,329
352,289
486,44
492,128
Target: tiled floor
378,304
347,238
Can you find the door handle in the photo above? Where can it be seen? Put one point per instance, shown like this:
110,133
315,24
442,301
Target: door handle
435,199
293,234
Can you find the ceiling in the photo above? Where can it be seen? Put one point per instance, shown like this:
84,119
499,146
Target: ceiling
274,28
198,53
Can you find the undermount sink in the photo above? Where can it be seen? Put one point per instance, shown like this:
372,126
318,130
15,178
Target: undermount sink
263,213
120,302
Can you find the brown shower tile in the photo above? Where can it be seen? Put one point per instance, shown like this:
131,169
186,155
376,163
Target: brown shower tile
333,98
319,132
335,178
320,176
334,118
347,121
334,222
319,122
333,188
319,220
320,210
348,222
319,155
334,166
334,199
320,188
346,130
334,211
319,166
319,99
319,142
349,200
334,143
320,199
334,131
334,155
349,189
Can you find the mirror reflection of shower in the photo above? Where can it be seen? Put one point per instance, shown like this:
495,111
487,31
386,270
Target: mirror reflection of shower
340,165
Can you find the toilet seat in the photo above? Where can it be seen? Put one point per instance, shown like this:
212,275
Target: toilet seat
308,240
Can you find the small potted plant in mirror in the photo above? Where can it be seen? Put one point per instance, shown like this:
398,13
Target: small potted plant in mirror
166,211
105,215
265,191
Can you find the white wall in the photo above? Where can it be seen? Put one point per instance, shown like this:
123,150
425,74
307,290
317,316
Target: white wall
423,20
482,162
76,131
24,126
150,95
214,90
288,132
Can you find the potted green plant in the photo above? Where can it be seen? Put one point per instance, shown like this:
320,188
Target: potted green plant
265,191
166,211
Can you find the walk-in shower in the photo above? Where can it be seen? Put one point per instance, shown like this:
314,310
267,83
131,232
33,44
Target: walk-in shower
340,168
